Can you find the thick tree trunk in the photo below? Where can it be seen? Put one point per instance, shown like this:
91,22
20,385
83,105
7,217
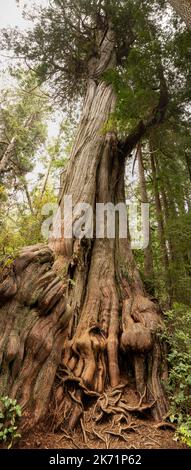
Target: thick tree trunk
183,8
70,310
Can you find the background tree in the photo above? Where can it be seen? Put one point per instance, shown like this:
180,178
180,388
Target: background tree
22,116
30,162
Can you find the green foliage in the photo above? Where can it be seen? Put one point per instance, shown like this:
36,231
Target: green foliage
172,143
32,175
59,47
64,39
59,148
23,113
24,227
184,431
3,194
178,334
136,84
10,412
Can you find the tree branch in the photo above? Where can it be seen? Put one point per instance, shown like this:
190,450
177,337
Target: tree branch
157,116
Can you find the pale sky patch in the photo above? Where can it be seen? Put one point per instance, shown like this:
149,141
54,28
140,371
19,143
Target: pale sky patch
11,12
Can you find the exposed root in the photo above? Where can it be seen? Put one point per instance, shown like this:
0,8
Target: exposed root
153,440
117,434
165,425
51,343
112,403
99,436
83,431
69,437
33,318
142,323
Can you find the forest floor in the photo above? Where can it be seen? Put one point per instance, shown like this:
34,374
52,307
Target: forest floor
144,436
139,431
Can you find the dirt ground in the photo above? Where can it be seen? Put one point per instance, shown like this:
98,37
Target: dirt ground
142,435
115,428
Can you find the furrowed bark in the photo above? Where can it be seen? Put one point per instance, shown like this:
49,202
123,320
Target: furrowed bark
183,8
70,310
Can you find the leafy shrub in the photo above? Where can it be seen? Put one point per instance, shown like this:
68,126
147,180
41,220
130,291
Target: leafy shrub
184,431
10,412
178,335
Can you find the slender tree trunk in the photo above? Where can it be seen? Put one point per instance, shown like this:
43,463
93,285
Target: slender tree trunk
177,258
9,152
148,255
71,309
188,163
46,179
160,222
47,175
25,185
7,155
165,207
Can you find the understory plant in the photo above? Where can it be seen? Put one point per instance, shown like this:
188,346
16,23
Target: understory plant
10,412
178,336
